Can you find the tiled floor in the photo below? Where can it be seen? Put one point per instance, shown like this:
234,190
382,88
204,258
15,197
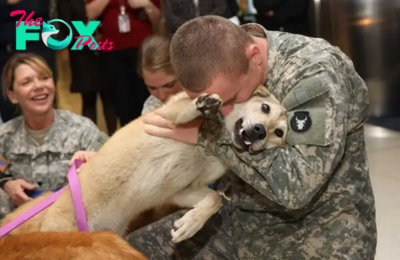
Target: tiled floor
383,147
384,157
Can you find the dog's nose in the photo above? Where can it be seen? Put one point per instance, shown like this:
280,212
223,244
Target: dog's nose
258,132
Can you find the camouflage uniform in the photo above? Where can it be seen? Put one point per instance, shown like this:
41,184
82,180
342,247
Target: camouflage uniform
151,104
47,164
312,198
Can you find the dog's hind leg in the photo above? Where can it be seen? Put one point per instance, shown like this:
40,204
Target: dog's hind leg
204,202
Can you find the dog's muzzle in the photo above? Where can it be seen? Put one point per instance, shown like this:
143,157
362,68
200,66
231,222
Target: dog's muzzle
248,136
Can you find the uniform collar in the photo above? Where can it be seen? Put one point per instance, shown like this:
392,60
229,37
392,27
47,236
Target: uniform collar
22,145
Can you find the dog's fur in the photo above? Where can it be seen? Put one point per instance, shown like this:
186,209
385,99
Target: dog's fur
134,172
100,245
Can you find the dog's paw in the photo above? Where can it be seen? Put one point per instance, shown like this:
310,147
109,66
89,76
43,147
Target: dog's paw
187,226
208,104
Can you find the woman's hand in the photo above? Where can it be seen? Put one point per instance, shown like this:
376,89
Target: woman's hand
84,156
15,189
135,4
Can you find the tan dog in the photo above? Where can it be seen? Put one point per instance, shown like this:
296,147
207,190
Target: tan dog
103,245
134,172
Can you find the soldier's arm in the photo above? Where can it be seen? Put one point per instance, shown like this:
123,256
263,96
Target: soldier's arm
291,175
5,173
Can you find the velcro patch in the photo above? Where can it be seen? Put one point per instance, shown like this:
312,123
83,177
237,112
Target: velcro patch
300,121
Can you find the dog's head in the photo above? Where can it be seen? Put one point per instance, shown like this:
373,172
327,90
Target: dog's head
258,123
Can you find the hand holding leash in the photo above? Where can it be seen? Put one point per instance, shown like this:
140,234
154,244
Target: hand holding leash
74,186
83,156
15,189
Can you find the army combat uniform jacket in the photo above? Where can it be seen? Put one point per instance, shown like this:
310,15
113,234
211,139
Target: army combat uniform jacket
311,198
152,103
46,165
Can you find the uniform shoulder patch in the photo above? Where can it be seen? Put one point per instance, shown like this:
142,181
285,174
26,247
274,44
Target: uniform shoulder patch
3,164
301,121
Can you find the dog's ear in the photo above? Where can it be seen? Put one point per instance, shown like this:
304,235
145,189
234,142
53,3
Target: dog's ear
262,91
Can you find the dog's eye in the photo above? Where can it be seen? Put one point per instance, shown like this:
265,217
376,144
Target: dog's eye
279,132
265,108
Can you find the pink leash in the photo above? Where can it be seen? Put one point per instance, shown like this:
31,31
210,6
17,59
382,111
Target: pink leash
80,214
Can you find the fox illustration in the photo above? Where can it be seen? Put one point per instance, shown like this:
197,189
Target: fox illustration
48,30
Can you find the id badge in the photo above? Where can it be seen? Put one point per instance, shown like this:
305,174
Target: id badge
124,25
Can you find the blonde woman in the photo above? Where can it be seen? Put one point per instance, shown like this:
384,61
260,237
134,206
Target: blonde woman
156,71
35,148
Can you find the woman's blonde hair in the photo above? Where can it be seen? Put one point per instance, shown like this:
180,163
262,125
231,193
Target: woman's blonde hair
34,61
31,59
154,54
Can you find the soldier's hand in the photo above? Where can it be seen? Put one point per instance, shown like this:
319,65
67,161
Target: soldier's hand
15,189
156,125
84,156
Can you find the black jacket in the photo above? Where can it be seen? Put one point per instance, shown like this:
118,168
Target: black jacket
289,15
177,12
8,23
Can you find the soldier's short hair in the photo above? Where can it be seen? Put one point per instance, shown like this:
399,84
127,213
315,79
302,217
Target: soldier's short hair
206,47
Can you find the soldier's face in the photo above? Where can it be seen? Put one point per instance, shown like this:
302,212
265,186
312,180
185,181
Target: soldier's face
32,90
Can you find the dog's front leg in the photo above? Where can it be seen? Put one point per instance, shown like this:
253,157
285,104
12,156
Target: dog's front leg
206,105
204,203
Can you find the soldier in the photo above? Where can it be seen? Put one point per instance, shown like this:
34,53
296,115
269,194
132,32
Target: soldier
311,198
35,148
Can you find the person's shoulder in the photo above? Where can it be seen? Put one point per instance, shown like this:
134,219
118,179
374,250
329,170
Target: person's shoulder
305,47
151,104
10,127
8,132
73,120
153,101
